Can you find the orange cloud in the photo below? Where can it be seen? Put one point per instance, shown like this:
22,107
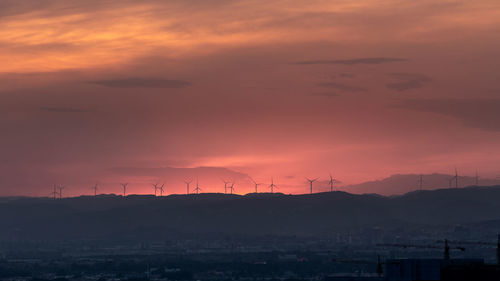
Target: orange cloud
74,37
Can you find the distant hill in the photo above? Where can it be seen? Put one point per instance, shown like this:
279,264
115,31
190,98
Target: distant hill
140,180
115,217
401,184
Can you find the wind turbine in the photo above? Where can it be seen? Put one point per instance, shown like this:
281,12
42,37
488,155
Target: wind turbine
331,182
54,193
231,187
311,183
124,185
421,182
161,189
272,185
187,186
256,185
225,185
61,187
155,186
197,189
476,178
95,189
455,177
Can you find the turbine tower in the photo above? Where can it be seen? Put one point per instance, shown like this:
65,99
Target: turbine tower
476,178
61,187
155,185
311,183
187,186
421,182
332,182
197,189
124,185
54,193
231,187
272,185
256,185
161,189
225,185
96,187
455,177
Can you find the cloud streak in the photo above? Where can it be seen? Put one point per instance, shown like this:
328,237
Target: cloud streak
341,87
142,83
407,81
326,94
64,109
475,113
376,60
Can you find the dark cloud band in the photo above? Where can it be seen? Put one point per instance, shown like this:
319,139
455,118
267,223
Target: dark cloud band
341,87
142,83
64,109
407,81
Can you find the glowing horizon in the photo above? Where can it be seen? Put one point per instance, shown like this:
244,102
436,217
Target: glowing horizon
283,89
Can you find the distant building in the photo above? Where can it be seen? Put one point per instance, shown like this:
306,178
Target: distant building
476,272
431,270
421,269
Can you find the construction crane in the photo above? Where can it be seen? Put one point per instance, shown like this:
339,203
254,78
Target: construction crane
447,247
483,243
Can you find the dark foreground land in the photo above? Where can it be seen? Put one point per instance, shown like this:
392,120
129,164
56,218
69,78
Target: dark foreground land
232,237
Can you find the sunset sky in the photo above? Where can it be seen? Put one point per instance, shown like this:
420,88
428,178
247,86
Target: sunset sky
113,91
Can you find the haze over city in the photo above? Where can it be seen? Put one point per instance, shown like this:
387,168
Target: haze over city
143,92
263,140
